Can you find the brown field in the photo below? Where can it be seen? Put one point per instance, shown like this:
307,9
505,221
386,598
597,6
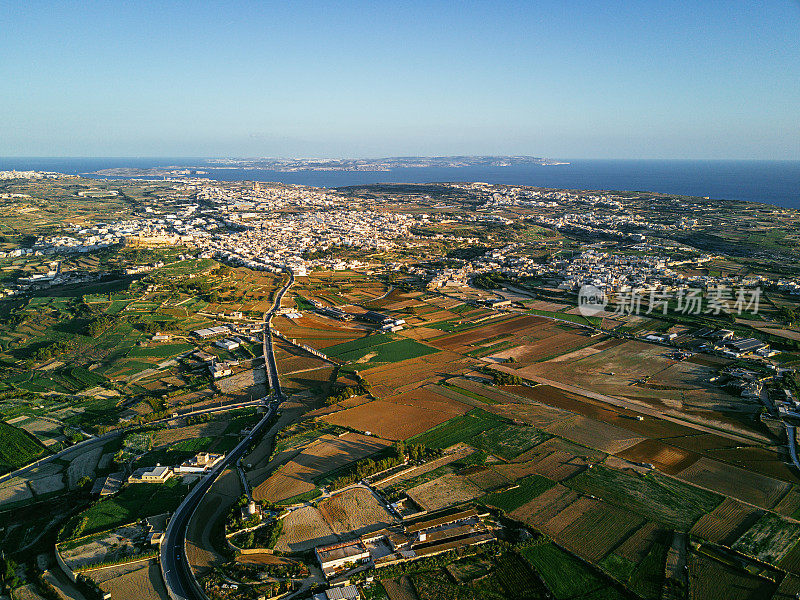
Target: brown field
555,347
545,506
52,483
791,560
488,478
544,305
789,503
557,523
596,434
598,531
608,344
145,583
303,529
538,415
343,405
702,442
666,458
764,460
162,437
400,588
354,512
200,551
400,419
726,522
291,359
586,455
388,380
559,465
636,547
15,490
500,395
684,388
648,427
318,331
498,326
321,456
735,482
263,558
445,491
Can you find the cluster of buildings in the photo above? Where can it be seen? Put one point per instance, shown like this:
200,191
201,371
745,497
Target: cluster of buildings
199,464
428,535
5,175
727,343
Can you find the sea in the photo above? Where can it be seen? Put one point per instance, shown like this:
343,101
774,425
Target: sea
771,182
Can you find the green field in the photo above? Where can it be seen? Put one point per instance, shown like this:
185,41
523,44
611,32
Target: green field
654,496
360,344
375,349
508,441
458,429
509,577
528,489
165,351
470,394
175,453
578,319
647,578
566,576
95,413
769,539
17,447
135,501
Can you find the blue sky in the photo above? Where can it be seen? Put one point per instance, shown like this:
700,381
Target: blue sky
596,79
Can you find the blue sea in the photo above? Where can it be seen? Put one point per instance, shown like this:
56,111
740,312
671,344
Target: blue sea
772,182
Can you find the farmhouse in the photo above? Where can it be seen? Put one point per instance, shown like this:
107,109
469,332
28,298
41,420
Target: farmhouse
201,463
227,344
157,474
333,558
219,370
744,346
346,592
375,317
211,331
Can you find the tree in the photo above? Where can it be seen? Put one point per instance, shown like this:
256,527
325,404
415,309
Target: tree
8,573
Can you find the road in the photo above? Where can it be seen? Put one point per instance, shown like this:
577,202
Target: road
175,568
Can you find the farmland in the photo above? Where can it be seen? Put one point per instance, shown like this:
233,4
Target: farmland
304,528
323,455
588,448
17,447
769,539
565,576
354,512
526,489
459,429
400,417
653,496
133,502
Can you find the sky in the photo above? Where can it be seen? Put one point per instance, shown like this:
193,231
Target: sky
560,79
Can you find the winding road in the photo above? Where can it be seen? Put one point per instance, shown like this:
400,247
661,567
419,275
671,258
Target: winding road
175,568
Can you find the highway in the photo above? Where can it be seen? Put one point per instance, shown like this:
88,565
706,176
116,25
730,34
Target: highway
175,568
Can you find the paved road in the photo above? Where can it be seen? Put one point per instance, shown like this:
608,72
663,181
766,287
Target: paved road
175,568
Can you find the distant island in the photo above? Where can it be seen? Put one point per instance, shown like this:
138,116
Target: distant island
286,165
